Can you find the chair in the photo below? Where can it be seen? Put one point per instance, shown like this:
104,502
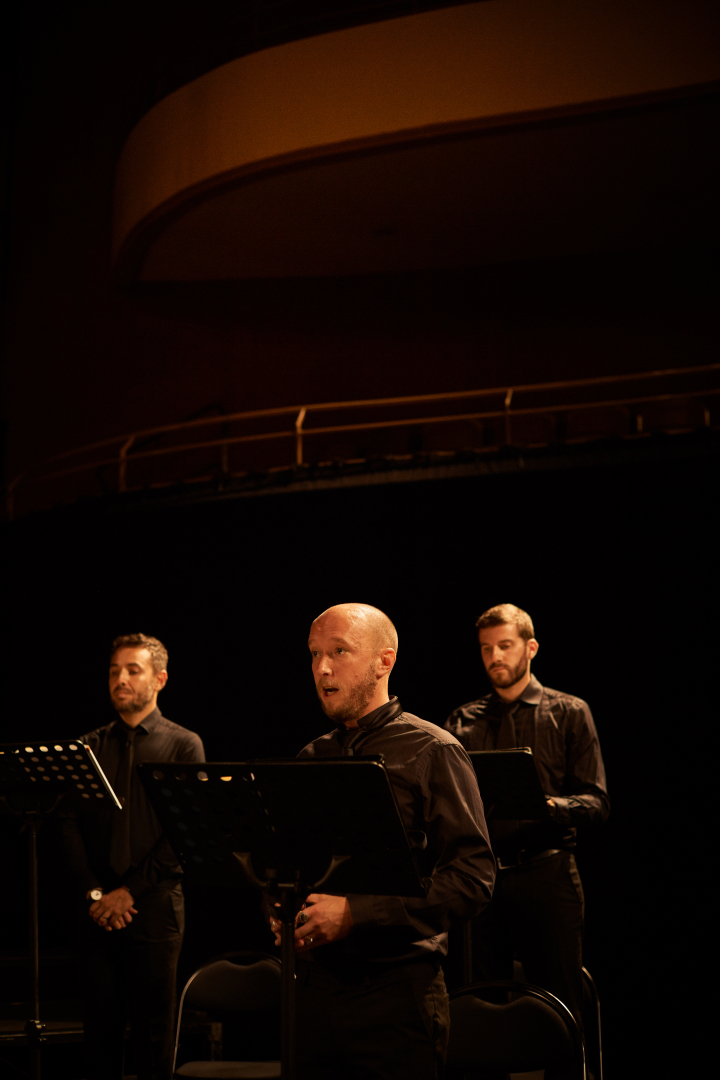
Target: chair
590,1016
531,1032
238,987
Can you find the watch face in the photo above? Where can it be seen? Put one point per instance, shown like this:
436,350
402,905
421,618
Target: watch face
96,894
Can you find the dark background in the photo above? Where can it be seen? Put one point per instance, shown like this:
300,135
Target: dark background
615,561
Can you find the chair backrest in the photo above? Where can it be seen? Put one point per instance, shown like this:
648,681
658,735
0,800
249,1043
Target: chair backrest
226,987
534,1031
239,983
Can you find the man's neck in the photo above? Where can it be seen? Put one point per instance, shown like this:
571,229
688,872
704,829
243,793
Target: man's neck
512,693
133,719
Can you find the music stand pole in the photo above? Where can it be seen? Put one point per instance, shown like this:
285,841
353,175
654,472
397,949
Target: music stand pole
34,1028
288,902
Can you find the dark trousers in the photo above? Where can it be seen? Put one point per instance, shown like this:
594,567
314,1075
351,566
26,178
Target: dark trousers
536,914
130,975
391,1026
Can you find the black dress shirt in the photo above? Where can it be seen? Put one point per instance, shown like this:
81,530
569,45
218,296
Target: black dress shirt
87,836
560,731
440,806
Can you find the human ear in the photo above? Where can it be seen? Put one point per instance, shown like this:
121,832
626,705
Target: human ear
387,661
533,647
160,679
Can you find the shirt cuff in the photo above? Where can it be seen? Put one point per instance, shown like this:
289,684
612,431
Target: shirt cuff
136,883
561,811
361,910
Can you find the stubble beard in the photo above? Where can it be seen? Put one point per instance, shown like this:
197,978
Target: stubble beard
135,704
356,702
505,679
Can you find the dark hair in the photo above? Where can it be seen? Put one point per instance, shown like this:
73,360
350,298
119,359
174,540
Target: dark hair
507,613
158,652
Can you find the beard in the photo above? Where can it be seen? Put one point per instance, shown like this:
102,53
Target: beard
356,701
508,676
135,704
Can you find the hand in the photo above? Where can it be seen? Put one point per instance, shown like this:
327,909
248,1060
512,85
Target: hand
114,910
329,919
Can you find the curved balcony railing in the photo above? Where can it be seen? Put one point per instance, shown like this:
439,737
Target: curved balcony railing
231,445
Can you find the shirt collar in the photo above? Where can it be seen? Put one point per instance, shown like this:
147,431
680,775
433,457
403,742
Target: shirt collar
531,695
378,717
146,725
374,719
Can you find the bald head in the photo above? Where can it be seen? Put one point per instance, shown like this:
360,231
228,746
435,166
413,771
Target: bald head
368,622
353,648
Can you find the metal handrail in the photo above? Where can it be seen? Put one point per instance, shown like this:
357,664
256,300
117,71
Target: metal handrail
299,432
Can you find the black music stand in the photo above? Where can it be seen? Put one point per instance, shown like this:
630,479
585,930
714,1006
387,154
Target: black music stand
510,785
34,777
288,828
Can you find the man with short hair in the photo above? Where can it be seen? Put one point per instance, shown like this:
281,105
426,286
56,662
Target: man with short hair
123,865
371,998
537,908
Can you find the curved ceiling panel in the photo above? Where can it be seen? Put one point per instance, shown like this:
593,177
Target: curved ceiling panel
367,150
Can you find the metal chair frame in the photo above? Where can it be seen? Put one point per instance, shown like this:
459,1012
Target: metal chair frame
590,983
250,957
511,986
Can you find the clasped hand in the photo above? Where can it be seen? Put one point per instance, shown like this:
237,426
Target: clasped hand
327,918
114,910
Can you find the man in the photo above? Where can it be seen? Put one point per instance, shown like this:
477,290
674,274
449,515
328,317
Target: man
371,997
124,867
537,908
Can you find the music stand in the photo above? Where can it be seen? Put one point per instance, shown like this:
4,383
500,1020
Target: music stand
34,777
510,785
288,828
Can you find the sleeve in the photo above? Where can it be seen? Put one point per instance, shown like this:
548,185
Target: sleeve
161,863
584,798
458,855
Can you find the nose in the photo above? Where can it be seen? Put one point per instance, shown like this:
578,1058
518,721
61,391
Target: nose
323,666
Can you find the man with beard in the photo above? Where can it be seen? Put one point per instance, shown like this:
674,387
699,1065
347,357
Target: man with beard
371,998
123,866
537,908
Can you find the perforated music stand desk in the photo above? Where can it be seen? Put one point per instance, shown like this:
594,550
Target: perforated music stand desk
510,785
288,827
34,777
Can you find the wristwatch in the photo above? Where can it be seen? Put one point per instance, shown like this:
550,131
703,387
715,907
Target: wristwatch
95,894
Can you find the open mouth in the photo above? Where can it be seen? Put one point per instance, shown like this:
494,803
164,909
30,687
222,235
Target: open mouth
328,691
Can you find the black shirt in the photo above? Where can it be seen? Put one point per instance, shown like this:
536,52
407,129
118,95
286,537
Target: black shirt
440,806
86,836
560,731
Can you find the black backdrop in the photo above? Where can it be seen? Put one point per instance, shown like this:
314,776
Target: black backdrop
614,563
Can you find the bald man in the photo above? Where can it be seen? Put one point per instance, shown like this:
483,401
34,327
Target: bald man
371,996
